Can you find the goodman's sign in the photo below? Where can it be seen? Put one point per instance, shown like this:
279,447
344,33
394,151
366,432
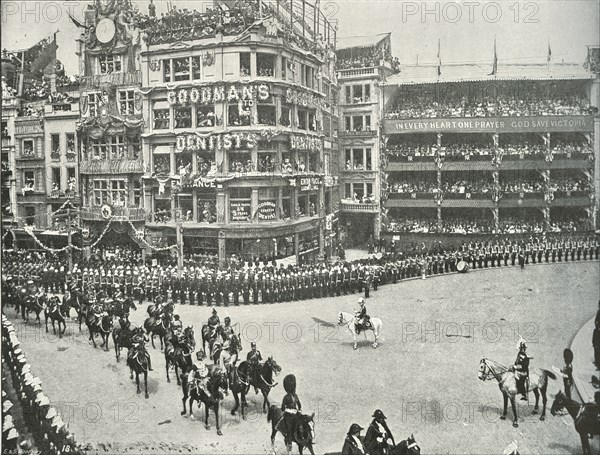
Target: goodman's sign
491,125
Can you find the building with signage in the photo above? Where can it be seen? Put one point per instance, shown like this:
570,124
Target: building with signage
507,151
363,63
110,125
240,147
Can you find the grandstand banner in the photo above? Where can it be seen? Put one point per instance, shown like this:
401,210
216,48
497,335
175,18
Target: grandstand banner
491,125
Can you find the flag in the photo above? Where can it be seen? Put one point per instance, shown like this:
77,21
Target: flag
439,68
495,65
46,56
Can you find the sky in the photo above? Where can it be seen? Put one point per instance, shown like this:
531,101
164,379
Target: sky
465,29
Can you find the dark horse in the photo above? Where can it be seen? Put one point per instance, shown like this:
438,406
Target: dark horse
158,327
35,304
57,312
121,309
303,434
80,303
104,329
123,336
216,386
584,416
137,360
407,447
262,379
179,354
167,309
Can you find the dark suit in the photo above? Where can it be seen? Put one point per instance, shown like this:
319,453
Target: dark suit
351,448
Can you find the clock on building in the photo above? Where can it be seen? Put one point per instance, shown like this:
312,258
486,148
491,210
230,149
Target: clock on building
105,30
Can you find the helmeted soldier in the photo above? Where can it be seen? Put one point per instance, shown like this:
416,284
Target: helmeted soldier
521,368
254,358
199,373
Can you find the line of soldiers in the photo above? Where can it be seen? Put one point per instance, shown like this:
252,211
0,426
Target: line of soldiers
42,419
269,283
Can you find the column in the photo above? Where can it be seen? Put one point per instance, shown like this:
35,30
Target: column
253,65
221,205
296,247
294,204
496,213
321,239
377,226
173,163
195,206
254,205
222,242
439,218
279,204
173,206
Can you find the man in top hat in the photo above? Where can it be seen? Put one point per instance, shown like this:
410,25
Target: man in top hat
521,368
352,443
378,439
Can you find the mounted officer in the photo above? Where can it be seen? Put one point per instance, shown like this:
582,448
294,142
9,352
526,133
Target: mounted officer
361,316
254,358
199,373
213,323
291,408
137,343
521,368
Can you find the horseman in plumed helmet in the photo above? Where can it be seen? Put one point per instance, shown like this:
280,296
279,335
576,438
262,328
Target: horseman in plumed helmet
521,368
214,322
291,408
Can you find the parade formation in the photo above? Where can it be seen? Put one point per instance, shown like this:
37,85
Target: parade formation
285,231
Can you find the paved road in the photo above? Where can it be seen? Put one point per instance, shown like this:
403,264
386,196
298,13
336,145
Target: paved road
423,376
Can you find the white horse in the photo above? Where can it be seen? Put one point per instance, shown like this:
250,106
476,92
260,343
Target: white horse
349,320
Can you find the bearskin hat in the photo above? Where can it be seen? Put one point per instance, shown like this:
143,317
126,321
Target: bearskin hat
289,383
568,355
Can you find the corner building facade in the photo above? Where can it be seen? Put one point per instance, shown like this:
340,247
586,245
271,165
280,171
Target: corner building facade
240,134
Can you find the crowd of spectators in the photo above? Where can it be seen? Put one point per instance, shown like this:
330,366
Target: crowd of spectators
569,185
481,226
414,106
30,110
522,185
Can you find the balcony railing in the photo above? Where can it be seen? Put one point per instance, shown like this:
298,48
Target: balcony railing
133,78
112,167
360,206
355,72
358,133
117,214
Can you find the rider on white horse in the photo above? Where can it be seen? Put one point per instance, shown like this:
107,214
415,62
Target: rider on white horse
361,317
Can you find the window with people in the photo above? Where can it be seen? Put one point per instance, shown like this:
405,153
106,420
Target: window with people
111,192
358,159
265,64
239,114
109,148
245,64
205,116
240,161
126,102
183,117
55,145
162,118
267,111
110,63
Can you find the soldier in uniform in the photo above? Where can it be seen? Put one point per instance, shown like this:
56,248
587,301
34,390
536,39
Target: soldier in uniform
521,368
567,372
291,408
254,358
379,439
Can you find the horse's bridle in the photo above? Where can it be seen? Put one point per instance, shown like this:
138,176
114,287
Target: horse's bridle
489,372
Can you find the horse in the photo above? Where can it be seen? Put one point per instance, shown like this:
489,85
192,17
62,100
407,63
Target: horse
216,385
350,321
585,418
104,329
407,447
81,304
58,314
179,355
167,309
538,382
303,435
121,309
122,337
158,327
262,379
207,338
137,361
35,304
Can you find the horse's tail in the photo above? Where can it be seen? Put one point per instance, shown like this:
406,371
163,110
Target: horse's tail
550,374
